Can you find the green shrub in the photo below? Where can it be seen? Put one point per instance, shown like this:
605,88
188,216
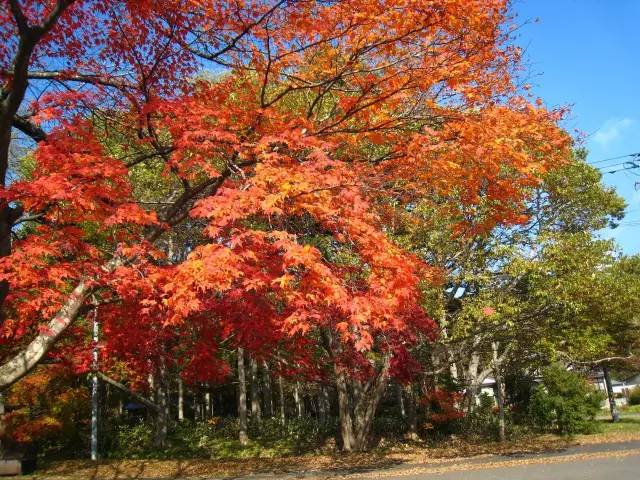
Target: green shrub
217,438
389,426
481,421
631,409
564,402
131,441
634,396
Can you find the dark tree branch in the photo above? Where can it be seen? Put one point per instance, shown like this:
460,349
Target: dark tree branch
146,402
26,126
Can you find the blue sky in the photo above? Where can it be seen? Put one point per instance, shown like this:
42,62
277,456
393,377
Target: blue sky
586,53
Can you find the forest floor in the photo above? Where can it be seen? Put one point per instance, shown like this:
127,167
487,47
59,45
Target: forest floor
406,454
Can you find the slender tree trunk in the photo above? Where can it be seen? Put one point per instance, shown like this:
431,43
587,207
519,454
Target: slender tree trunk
615,417
497,374
326,401
283,416
412,418
2,424
180,400
472,382
266,392
344,412
207,404
242,399
322,406
94,389
196,406
298,399
162,417
403,413
313,407
453,368
256,410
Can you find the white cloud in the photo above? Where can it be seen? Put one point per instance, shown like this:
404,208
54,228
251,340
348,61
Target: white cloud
611,130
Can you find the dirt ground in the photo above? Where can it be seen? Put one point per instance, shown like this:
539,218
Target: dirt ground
408,454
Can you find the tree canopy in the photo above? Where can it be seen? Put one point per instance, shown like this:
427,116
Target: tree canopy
289,178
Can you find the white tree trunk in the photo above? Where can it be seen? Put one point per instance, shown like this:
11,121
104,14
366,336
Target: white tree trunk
497,373
267,394
242,399
180,400
256,409
27,359
283,414
298,398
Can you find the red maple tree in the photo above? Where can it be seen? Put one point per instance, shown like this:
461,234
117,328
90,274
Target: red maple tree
271,169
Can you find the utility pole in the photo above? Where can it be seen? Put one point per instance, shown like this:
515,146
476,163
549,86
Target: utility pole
94,390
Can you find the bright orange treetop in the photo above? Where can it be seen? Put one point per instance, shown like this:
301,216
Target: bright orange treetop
244,204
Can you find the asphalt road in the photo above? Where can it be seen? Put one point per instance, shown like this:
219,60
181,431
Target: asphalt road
616,461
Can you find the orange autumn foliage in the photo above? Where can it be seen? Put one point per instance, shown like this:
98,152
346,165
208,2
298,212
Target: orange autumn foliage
46,403
319,113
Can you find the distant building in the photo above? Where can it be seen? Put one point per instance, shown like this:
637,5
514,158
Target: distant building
621,389
630,383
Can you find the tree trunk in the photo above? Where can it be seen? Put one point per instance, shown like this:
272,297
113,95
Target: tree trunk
497,374
283,416
472,382
355,427
412,418
162,417
344,412
453,368
207,404
180,400
298,399
323,412
28,358
403,413
94,389
256,409
197,414
242,399
13,93
8,216
2,424
32,354
326,401
266,392
615,417
367,405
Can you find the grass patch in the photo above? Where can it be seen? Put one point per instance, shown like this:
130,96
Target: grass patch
624,425
226,458
631,409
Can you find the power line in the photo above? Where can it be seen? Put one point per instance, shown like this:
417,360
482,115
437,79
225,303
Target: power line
636,155
628,164
623,169
604,167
